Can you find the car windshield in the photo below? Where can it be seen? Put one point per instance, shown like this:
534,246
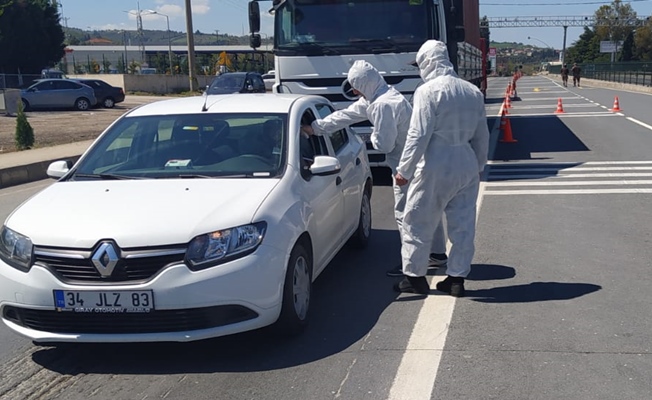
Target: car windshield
323,27
203,145
226,83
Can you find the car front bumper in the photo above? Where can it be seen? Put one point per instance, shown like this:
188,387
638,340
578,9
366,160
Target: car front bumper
233,297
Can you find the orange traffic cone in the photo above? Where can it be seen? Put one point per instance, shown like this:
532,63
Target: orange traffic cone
560,108
616,105
508,102
506,127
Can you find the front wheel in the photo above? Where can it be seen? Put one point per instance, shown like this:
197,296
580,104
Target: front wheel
82,104
296,292
25,105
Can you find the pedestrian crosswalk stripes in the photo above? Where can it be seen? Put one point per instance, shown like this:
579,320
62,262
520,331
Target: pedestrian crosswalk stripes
594,177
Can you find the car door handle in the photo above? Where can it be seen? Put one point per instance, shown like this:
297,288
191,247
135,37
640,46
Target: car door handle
338,180
357,161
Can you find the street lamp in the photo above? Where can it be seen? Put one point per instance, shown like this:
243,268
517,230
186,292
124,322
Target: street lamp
544,43
167,18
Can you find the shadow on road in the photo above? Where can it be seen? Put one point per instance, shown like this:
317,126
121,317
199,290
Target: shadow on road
348,298
540,134
531,292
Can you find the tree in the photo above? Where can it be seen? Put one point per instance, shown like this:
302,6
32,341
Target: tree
643,42
24,137
31,36
614,19
627,52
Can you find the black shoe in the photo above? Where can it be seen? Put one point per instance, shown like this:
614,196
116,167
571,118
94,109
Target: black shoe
412,284
396,271
437,260
453,285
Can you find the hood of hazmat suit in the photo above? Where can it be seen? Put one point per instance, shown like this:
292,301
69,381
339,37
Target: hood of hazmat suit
386,108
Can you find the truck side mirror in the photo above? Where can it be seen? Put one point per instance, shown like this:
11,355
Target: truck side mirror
254,17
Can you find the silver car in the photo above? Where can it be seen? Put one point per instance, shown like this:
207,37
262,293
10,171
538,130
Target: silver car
58,93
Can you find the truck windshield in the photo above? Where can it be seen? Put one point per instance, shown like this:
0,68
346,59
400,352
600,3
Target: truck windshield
320,27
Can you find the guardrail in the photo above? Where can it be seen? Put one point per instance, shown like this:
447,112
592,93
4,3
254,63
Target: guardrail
633,73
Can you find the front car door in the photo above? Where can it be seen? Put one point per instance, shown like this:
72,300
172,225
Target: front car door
350,152
322,195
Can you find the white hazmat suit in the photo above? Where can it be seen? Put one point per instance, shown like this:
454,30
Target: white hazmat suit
445,151
389,113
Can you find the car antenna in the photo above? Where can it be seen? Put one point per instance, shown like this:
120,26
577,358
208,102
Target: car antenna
203,107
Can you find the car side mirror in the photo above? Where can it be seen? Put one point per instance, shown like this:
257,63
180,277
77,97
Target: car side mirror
325,165
58,169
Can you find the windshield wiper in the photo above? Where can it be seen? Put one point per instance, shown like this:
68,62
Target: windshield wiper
317,47
375,44
194,176
107,177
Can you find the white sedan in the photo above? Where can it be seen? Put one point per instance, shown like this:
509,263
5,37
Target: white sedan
186,219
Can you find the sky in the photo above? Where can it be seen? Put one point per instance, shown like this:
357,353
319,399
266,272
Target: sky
230,16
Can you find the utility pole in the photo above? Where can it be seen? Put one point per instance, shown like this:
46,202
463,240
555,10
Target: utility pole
191,48
563,50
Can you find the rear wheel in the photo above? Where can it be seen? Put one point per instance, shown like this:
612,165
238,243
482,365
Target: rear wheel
82,104
360,237
296,292
108,102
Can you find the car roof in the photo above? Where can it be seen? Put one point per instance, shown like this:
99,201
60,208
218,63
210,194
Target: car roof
224,103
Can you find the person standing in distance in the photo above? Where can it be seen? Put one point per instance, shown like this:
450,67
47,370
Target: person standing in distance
444,155
564,75
576,71
389,113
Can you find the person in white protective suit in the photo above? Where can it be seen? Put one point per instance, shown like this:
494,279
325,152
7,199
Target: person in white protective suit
389,113
444,154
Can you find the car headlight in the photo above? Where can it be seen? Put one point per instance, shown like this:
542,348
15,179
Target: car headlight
16,249
221,246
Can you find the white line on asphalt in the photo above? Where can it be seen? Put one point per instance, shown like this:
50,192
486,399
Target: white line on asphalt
529,107
569,183
492,162
643,124
495,177
567,114
416,375
571,169
564,191
551,98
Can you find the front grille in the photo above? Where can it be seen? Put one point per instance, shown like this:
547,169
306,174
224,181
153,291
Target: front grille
75,266
128,323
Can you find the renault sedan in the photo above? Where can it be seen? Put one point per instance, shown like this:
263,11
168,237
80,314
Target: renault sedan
186,219
58,93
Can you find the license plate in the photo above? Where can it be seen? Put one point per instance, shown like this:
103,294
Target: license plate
104,302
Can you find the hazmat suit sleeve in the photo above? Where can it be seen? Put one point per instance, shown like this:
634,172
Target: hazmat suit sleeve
385,131
422,125
356,112
480,140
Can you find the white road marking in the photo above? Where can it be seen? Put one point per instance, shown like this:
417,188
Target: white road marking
567,114
574,163
571,169
539,176
569,183
569,191
643,124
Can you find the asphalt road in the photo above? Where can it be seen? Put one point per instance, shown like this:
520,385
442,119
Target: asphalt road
557,303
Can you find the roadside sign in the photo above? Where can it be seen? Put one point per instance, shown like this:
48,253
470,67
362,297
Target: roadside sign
607,46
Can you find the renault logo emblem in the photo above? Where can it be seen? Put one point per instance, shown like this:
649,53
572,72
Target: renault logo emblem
347,90
105,259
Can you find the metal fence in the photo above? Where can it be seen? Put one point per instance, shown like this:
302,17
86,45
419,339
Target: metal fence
635,73
17,81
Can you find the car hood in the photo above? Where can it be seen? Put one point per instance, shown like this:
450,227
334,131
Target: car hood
137,212
219,90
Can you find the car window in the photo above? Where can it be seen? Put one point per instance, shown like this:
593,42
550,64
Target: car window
258,82
66,85
207,145
47,85
338,139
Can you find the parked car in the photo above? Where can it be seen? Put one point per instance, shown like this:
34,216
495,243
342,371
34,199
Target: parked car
58,93
236,82
52,73
107,95
179,224
269,79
